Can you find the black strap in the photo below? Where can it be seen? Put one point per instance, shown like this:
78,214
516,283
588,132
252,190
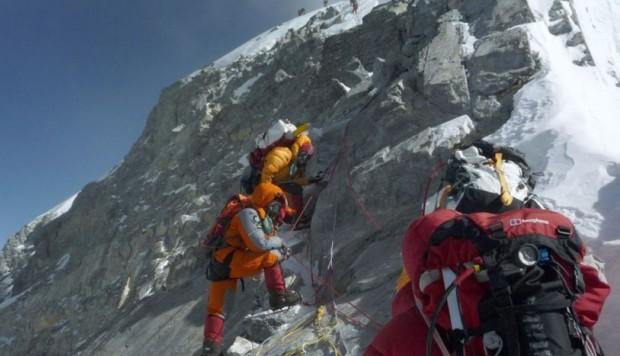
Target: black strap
463,227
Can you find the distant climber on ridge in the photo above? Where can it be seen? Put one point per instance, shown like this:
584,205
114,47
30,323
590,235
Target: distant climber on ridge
248,245
354,5
282,156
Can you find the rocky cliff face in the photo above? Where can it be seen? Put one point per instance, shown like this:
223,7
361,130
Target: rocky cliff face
121,273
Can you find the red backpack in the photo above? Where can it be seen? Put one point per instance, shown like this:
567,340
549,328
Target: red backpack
520,280
214,239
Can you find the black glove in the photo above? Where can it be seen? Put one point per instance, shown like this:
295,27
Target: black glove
285,251
318,178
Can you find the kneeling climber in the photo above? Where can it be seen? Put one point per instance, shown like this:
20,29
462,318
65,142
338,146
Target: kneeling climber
249,244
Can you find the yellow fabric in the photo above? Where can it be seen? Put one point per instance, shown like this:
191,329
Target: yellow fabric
505,191
265,193
300,141
301,128
403,280
276,165
279,160
443,195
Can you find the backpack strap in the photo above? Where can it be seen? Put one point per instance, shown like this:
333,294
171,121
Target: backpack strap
505,195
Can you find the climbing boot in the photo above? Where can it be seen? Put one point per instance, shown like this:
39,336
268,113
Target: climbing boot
282,299
211,348
213,335
279,296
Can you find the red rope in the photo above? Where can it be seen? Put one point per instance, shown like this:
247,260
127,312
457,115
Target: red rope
376,324
436,169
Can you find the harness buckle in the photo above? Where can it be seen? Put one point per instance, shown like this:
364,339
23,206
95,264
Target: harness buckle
563,232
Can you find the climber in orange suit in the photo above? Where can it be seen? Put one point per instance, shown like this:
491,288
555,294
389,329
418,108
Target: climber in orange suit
251,246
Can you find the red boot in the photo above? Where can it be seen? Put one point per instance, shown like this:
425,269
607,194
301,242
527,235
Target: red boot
279,296
213,335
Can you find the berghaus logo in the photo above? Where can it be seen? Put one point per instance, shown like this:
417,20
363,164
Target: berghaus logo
516,222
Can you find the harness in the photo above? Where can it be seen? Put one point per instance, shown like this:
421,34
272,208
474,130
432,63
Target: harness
527,290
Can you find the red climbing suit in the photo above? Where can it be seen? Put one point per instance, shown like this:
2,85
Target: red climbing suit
406,333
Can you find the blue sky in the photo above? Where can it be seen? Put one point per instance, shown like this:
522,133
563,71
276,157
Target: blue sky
79,77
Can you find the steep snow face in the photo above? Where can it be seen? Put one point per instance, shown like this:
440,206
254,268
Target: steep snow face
266,40
566,119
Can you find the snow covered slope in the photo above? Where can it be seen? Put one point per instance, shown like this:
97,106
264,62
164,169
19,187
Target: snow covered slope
268,39
566,119
18,249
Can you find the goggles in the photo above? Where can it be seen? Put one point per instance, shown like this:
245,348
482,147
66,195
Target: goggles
276,210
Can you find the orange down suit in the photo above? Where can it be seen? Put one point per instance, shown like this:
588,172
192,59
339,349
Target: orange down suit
253,250
279,160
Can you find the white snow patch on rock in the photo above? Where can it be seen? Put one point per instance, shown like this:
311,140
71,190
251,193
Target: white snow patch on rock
53,213
245,87
612,243
191,187
146,291
445,135
125,293
141,208
10,300
178,128
62,262
565,121
268,39
190,218
191,77
241,346
203,200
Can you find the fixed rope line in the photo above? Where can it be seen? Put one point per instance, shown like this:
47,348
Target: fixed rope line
436,169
